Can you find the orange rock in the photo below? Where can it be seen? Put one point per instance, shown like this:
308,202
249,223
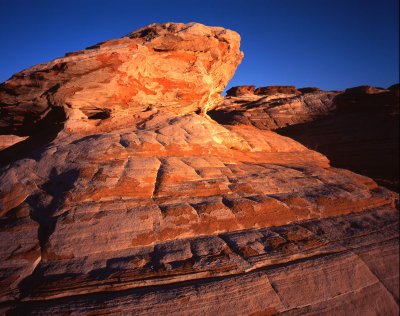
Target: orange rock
271,90
125,200
164,70
240,90
334,123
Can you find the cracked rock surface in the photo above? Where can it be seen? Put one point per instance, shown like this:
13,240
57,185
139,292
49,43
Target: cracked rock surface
113,205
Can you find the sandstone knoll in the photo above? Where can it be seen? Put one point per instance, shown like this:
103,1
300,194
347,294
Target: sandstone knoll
358,129
156,208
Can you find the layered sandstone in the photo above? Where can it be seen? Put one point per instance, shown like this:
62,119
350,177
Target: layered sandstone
358,129
272,90
240,90
176,67
275,110
153,208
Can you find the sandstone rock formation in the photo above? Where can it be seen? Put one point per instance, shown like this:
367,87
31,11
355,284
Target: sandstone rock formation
124,201
357,129
177,67
308,89
272,90
240,90
362,134
274,111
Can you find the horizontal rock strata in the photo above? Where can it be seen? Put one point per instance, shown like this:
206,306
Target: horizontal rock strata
341,265
357,129
130,207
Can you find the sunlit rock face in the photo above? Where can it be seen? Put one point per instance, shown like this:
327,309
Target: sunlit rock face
147,206
176,67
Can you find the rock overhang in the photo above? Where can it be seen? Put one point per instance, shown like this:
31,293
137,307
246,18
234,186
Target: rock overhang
175,67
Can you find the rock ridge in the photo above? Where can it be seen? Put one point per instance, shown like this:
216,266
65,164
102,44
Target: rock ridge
358,129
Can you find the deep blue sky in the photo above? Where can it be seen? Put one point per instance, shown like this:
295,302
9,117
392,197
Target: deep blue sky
332,44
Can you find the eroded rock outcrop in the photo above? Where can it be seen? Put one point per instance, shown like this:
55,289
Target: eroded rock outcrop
272,90
153,208
180,68
240,90
358,129
275,110
308,89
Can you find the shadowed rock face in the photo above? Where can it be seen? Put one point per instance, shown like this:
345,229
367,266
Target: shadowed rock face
357,129
240,90
308,89
269,112
156,209
272,90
